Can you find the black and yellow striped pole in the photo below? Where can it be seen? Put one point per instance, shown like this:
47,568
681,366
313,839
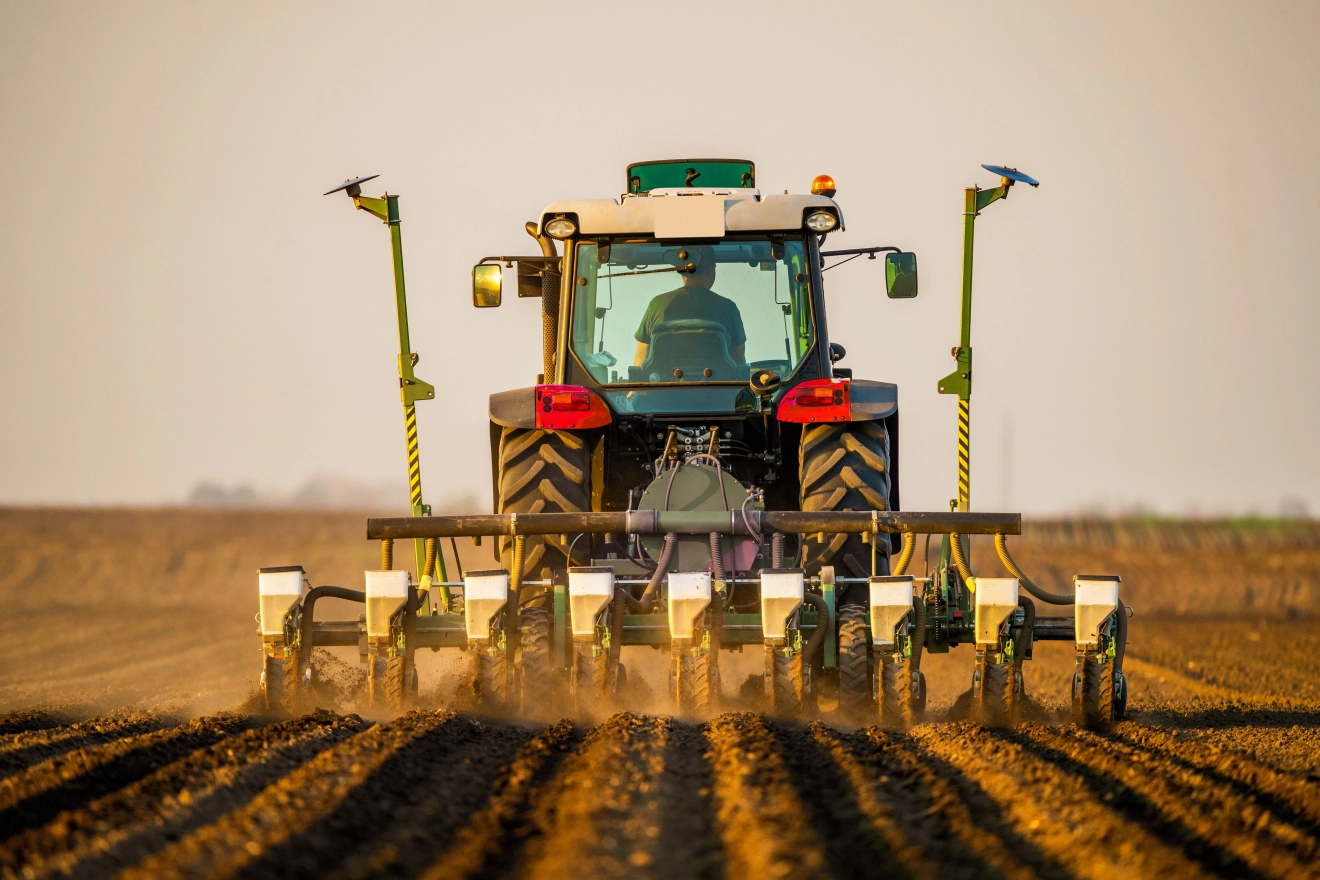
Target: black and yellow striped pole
959,382
411,389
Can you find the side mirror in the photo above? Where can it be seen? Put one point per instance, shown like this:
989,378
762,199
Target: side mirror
486,286
901,275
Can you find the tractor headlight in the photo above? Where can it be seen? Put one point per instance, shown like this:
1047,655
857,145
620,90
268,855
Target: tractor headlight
560,228
821,221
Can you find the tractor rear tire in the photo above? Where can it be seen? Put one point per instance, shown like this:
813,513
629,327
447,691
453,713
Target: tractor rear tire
279,684
854,662
786,684
895,692
1093,694
844,467
490,681
534,647
996,700
542,472
692,688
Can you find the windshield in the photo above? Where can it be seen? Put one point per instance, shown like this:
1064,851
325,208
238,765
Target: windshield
674,312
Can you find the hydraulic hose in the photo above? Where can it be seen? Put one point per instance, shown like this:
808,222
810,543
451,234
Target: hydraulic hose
824,626
1001,547
309,611
652,591
777,550
960,558
905,555
429,566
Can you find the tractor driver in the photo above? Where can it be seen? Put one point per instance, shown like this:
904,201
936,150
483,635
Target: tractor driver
694,300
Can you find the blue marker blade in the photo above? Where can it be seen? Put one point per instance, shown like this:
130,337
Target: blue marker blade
1012,174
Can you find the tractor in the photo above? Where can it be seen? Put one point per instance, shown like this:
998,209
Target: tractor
693,470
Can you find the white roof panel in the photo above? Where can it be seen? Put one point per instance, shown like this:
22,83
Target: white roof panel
744,211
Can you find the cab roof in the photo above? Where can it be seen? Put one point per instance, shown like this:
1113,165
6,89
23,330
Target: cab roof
689,211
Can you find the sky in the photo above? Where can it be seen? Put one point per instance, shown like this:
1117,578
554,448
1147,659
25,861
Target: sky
180,305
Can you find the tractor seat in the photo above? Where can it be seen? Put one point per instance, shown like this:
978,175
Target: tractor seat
691,346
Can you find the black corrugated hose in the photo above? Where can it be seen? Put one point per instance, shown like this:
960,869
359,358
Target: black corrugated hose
777,550
824,626
308,613
918,630
652,591
1023,651
511,607
717,601
617,609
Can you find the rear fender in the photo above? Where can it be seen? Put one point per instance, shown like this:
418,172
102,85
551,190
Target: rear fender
852,400
550,407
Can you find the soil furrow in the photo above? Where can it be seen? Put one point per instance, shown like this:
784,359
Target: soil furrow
382,823
450,782
921,813
601,813
854,845
1054,810
1287,791
758,812
23,750
1181,796
296,803
34,796
485,844
120,829
41,718
687,846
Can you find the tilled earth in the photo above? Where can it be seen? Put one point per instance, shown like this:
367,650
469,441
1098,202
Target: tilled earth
123,627
1211,776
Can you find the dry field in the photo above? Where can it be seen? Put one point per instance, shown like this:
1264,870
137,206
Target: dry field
129,655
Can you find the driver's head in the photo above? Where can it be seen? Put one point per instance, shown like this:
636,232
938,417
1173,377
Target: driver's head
703,257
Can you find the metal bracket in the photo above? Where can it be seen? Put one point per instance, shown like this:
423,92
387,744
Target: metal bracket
378,208
959,382
412,389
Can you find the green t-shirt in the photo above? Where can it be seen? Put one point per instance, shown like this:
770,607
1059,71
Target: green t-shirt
693,303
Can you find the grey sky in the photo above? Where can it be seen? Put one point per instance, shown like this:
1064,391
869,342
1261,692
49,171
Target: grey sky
178,303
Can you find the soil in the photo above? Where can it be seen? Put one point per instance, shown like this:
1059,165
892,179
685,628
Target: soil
129,747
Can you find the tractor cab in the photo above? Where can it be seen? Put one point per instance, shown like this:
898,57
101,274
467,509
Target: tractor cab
671,313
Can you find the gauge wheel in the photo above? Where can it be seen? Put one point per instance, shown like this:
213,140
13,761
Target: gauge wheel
279,683
1093,693
995,693
854,661
895,692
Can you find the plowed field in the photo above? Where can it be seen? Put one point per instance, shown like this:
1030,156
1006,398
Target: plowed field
1207,778
106,768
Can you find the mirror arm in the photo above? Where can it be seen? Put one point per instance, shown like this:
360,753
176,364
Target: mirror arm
509,261
858,251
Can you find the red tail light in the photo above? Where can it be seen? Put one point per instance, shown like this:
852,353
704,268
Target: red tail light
821,396
816,400
561,407
568,401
